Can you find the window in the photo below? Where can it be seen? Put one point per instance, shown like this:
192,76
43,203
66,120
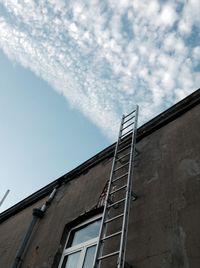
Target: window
81,245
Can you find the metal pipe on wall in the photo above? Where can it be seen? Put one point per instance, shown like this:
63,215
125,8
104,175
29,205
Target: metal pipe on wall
38,213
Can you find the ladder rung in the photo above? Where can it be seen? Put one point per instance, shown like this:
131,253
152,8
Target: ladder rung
108,255
114,218
118,159
124,148
128,119
124,141
131,130
119,189
130,113
121,166
117,202
110,236
118,178
128,125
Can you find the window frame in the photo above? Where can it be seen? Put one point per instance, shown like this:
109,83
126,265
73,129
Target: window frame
82,247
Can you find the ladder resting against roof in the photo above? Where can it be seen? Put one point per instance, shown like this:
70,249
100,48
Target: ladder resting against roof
111,246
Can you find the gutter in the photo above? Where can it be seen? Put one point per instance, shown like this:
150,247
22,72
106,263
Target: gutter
38,213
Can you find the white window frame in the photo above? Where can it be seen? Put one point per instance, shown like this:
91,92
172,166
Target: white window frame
82,247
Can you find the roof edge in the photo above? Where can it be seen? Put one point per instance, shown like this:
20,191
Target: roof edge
154,124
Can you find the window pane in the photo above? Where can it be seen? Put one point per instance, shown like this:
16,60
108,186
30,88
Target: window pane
89,258
71,260
85,233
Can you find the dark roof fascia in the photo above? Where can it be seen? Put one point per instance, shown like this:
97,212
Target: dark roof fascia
156,123
43,192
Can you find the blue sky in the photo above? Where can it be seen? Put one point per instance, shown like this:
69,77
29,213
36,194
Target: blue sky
69,69
41,136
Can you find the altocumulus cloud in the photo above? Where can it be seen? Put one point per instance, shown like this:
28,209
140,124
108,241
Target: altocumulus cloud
105,56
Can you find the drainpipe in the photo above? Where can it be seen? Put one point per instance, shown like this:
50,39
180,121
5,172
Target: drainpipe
38,213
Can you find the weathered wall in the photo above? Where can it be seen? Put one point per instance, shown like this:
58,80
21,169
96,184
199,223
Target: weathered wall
164,225
12,232
164,222
72,200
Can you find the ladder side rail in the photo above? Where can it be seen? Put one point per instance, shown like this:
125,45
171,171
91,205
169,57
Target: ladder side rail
96,262
122,250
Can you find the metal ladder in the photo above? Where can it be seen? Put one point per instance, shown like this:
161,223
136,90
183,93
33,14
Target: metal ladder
111,246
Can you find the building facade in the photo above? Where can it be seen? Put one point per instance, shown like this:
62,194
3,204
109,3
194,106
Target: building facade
164,219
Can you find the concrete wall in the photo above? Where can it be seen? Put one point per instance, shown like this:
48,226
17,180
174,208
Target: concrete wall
164,221
72,200
164,225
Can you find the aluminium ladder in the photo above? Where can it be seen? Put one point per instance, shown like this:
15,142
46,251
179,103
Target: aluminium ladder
111,246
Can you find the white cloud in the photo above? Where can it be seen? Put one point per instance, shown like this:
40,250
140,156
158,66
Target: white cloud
105,56
189,16
168,15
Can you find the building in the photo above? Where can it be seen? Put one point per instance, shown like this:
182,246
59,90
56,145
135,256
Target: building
164,220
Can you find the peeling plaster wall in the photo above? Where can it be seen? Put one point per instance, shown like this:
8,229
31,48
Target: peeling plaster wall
164,221
72,200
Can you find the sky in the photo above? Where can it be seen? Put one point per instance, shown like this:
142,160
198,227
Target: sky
70,69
